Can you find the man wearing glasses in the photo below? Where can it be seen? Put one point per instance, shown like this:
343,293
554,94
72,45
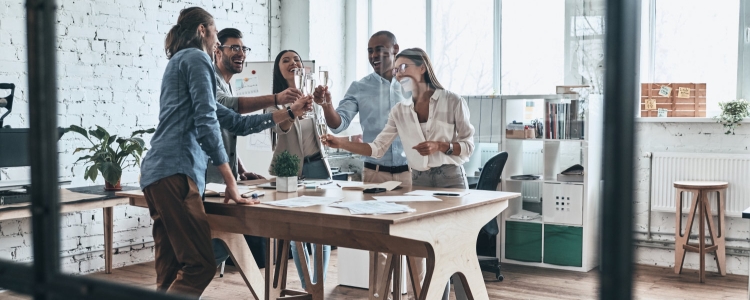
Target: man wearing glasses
230,59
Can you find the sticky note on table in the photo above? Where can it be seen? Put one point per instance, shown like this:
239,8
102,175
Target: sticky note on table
650,104
665,90
683,92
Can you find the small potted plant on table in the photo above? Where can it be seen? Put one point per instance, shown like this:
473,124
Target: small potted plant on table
285,166
106,159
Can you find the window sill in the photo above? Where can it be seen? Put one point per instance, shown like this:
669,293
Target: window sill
678,120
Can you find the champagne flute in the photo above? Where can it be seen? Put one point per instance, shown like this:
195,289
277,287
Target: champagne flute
324,80
322,128
308,88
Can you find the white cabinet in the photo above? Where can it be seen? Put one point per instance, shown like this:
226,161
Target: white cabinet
564,215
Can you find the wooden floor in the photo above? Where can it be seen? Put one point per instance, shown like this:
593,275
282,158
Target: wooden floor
520,283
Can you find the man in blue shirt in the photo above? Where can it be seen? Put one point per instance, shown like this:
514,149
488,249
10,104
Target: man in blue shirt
373,98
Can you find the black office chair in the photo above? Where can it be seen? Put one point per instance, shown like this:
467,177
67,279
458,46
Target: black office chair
488,181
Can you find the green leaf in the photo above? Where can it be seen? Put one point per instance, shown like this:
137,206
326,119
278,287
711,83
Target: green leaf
285,164
111,140
76,129
140,132
82,158
81,149
92,172
111,172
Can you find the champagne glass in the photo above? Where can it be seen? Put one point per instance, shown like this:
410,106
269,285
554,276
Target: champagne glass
308,88
299,79
322,128
324,80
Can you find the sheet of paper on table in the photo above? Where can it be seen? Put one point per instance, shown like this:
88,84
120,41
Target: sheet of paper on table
373,207
304,201
217,190
437,193
406,198
359,186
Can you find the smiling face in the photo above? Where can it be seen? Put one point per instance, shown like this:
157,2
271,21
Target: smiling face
230,60
380,52
210,38
406,68
289,61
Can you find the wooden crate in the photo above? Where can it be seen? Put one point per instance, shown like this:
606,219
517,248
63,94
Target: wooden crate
692,106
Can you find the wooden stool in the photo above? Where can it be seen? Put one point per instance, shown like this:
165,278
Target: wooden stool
700,190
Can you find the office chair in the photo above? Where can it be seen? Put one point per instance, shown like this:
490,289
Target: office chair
489,178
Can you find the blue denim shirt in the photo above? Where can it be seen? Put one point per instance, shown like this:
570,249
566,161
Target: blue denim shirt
373,98
189,120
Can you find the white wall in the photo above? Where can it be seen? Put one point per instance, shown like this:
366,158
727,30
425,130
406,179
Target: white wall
110,63
684,137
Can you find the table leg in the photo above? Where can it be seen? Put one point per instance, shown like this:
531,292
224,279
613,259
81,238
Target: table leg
702,237
396,291
244,261
108,231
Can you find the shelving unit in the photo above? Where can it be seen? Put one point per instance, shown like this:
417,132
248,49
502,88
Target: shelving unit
565,236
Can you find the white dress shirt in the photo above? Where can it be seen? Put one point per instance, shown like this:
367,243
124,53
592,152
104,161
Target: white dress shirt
448,121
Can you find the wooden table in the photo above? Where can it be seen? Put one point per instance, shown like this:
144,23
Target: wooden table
444,232
78,199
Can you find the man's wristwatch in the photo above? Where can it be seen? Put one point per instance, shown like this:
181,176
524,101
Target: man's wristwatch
450,149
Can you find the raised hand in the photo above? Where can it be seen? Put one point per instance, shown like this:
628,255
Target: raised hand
288,96
302,105
322,95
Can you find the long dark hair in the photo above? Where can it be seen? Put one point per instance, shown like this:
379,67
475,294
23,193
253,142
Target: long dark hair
419,57
185,34
279,82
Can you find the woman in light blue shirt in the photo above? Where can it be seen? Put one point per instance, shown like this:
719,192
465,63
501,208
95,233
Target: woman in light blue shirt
173,171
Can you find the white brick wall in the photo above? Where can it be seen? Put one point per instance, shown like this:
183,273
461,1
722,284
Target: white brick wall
110,63
684,137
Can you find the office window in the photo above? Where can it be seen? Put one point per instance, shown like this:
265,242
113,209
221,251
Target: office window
695,41
533,34
406,19
462,45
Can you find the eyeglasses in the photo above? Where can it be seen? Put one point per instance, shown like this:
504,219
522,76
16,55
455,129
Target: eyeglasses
401,68
237,48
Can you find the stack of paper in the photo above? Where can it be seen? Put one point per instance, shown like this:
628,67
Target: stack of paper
303,201
217,190
373,207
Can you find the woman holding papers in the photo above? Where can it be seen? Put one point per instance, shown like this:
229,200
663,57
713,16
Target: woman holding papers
434,127
299,137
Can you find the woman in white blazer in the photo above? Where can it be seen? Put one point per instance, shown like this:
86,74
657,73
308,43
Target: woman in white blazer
434,127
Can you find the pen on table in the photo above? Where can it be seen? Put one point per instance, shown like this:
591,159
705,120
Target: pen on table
446,194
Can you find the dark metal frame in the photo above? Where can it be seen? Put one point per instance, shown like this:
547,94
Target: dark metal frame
621,81
43,279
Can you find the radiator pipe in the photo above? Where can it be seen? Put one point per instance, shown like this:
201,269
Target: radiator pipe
692,236
650,157
669,245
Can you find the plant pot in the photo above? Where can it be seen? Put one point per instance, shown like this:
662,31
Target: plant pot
109,187
286,184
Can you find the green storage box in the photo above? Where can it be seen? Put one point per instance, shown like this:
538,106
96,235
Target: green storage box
523,241
563,245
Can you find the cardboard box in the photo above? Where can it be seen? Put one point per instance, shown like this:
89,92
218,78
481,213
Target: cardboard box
520,134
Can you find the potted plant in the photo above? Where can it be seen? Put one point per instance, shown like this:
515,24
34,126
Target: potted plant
285,166
106,159
732,113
